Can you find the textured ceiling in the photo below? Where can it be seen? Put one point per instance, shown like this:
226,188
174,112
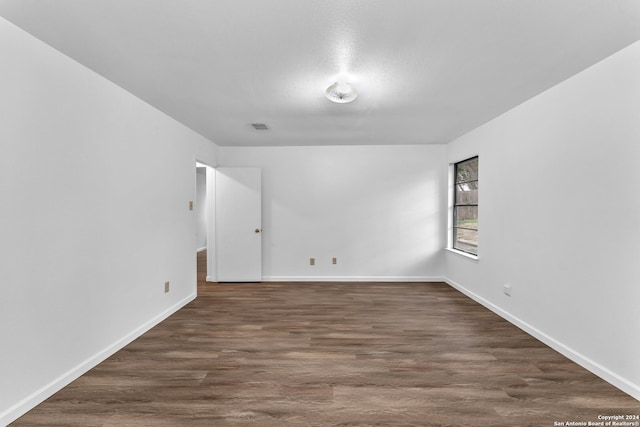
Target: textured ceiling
426,71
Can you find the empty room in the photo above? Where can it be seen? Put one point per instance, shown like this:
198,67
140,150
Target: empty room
319,213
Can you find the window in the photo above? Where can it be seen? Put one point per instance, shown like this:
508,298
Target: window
465,206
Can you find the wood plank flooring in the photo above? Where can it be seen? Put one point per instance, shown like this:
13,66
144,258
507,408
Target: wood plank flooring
332,354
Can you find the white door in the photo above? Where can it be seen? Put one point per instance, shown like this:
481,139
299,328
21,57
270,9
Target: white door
238,224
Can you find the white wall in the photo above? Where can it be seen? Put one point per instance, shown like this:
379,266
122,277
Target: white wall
201,207
559,217
210,212
95,186
380,210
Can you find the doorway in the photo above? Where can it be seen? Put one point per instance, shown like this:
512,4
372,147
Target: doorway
205,222
228,239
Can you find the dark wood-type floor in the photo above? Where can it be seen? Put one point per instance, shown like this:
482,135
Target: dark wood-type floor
332,354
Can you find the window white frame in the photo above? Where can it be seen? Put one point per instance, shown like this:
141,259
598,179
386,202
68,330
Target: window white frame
451,211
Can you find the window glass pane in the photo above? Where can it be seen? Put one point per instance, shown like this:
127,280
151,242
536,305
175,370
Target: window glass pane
467,193
466,216
466,240
467,170
465,209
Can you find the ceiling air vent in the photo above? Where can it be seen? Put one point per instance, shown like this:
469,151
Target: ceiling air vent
259,126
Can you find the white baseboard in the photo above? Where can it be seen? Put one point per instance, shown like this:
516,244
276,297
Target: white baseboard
210,279
201,249
353,279
609,376
14,412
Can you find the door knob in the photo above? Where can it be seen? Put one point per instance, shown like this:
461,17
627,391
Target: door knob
258,230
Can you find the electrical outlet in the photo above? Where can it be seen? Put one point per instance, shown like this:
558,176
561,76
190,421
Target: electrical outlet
166,287
312,261
507,289
334,260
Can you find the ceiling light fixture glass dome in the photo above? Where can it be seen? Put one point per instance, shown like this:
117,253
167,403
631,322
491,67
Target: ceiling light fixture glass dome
341,92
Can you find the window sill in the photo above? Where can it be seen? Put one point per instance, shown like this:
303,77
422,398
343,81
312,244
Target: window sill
463,254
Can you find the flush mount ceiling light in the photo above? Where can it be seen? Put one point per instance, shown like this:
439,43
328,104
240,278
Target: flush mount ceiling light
341,92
